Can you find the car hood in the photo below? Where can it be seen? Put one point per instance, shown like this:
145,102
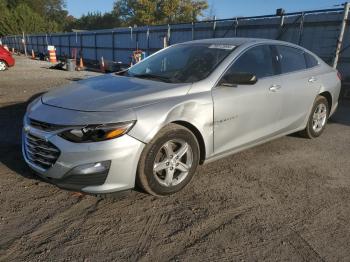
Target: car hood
111,93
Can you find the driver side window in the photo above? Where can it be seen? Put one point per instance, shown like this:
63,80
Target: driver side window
257,61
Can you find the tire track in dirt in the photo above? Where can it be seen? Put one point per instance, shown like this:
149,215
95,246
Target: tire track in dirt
145,238
289,234
303,248
11,237
184,239
42,234
311,214
284,234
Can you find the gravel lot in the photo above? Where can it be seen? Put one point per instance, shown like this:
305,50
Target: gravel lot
287,200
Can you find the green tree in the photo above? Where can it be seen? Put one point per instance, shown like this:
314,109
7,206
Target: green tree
51,9
150,12
32,16
95,20
23,19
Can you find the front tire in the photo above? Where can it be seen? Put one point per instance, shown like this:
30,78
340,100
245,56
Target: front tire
317,119
169,161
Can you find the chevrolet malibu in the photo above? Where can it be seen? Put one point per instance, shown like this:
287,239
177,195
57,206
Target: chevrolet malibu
186,105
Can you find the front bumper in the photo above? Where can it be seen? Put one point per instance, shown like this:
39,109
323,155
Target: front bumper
123,153
10,61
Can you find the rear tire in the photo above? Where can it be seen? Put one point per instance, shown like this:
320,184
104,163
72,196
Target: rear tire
317,119
169,161
3,65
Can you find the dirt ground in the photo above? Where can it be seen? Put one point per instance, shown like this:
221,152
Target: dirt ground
287,200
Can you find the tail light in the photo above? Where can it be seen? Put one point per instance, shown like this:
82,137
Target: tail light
339,75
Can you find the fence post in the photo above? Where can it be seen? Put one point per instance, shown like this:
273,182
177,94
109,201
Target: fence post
130,27
24,44
236,26
137,39
16,45
69,53
301,28
341,34
147,40
81,45
168,35
192,30
113,56
60,44
95,45
214,26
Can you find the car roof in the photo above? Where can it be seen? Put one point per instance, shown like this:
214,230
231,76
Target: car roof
238,41
243,41
224,41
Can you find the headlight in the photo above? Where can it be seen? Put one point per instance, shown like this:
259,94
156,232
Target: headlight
96,133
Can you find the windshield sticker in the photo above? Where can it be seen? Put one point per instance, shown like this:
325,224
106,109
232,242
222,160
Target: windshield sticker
226,47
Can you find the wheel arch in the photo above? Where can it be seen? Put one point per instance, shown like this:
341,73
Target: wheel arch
329,98
196,115
198,135
3,60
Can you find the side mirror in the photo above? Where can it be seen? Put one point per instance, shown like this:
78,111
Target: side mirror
235,79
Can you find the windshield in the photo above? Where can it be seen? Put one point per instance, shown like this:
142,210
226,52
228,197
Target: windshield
184,63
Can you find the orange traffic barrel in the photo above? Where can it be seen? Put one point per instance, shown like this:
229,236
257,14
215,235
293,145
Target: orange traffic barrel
52,56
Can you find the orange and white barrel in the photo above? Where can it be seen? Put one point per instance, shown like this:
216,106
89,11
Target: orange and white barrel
52,56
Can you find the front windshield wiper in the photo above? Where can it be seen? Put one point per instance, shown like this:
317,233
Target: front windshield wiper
151,76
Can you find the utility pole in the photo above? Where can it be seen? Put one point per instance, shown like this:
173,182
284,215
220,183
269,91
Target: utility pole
341,34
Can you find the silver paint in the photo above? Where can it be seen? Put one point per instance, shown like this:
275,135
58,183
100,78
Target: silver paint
229,119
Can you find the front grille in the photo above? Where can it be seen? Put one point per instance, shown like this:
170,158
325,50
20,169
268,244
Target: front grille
40,152
44,126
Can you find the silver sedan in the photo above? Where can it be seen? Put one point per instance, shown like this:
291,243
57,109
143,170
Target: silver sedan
183,106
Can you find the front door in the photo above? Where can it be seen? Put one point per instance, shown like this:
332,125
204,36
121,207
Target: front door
245,114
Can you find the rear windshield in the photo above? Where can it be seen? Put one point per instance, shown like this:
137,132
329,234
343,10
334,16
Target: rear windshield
184,63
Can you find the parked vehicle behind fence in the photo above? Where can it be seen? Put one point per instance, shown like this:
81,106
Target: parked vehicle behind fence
186,105
6,59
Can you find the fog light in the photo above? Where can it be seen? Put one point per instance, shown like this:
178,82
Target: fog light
93,168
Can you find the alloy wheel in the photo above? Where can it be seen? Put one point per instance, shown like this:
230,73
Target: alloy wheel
173,162
319,117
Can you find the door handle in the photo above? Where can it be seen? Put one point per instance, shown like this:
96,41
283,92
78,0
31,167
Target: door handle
274,88
312,79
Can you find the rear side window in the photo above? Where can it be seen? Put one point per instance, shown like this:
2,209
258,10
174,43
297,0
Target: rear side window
291,59
257,61
311,61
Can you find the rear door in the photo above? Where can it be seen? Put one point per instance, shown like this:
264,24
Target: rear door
246,114
299,85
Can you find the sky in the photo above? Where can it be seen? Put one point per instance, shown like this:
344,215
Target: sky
221,8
